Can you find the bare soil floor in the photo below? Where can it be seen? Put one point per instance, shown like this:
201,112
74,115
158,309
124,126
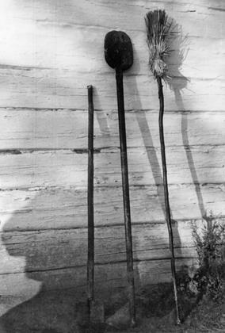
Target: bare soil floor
154,314
59,312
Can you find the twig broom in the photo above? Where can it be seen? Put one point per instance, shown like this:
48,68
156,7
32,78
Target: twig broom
158,33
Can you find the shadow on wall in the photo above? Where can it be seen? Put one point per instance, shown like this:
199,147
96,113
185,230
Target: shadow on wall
154,162
177,84
53,260
43,312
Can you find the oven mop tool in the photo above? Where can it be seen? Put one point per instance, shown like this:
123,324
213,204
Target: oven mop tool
119,55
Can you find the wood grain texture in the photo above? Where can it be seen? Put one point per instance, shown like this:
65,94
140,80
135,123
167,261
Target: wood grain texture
113,275
51,88
66,168
68,248
67,129
50,52
57,208
60,51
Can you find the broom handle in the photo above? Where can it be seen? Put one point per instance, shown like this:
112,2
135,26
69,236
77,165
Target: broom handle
166,193
90,198
126,197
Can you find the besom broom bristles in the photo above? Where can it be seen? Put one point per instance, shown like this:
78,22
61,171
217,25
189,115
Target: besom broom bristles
158,34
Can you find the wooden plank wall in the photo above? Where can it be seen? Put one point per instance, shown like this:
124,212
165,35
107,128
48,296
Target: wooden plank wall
49,52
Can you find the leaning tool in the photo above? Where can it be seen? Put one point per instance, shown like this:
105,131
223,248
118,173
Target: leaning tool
159,35
90,200
95,308
119,56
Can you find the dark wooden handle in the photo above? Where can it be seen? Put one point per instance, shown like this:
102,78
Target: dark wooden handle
126,196
90,199
166,193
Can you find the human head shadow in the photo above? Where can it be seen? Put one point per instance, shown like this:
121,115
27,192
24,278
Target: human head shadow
45,310
54,306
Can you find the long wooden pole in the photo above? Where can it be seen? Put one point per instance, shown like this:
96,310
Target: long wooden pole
166,194
90,199
126,196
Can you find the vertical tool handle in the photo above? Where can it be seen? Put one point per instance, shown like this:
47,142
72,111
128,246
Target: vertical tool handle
126,196
166,195
90,200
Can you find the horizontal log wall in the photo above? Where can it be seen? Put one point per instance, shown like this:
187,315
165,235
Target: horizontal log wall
50,52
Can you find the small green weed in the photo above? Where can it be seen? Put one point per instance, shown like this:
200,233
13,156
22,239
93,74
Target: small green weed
210,247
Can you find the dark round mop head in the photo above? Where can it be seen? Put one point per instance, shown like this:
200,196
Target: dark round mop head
118,50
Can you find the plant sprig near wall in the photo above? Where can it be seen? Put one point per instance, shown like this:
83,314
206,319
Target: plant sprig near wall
210,247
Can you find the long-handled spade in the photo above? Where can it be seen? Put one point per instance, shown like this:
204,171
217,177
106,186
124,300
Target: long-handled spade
119,55
95,308
158,34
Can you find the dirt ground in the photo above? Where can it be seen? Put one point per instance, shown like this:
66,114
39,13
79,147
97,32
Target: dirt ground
59,312
154,314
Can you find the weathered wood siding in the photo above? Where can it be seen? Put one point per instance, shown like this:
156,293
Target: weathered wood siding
49,52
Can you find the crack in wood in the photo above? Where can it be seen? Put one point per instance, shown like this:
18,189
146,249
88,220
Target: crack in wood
217,9
85,150
10,151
